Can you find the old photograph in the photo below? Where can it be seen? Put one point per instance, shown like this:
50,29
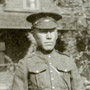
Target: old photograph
44,44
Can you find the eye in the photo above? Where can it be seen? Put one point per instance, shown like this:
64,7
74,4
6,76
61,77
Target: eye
52,30
45,30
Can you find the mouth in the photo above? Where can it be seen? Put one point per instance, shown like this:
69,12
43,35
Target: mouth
48,43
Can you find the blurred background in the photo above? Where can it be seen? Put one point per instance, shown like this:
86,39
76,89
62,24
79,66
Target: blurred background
73,40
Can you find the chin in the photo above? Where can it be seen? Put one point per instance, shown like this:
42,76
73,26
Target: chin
48,49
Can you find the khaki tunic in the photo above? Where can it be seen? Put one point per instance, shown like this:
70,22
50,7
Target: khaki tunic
47,72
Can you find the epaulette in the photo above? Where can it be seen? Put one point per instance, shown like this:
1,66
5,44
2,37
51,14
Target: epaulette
30,55
62,53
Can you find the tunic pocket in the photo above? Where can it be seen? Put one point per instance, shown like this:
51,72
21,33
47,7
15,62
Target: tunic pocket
37,67
37,71
66,77
34,77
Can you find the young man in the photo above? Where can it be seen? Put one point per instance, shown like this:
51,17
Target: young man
46,69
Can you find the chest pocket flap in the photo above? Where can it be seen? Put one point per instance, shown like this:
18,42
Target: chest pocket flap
66,75
37,67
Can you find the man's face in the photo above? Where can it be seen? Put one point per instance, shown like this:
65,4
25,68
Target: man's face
46,39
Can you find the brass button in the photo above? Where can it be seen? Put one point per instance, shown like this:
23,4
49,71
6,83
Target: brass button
51,71
65,70
49,56
37,71
52,79
50,63
53,87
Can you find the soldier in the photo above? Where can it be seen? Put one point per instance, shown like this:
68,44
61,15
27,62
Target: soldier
46,69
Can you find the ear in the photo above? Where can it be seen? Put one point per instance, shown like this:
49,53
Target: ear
56,34
31,38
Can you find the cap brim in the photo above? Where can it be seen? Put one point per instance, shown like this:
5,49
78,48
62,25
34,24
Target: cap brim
34,17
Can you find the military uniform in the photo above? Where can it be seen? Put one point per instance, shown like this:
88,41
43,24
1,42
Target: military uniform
47,72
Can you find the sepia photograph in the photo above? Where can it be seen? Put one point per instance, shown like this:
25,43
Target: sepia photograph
44,44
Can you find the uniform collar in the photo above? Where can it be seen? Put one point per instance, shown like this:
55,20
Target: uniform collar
41,54
60,61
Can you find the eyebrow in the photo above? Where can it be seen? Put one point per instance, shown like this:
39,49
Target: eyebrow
46,29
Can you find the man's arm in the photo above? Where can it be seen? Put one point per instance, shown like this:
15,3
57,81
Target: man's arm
20,77
77,80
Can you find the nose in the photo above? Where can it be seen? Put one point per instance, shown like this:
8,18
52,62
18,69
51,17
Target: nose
48,35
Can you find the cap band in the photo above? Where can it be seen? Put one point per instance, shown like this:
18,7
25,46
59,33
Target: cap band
45,23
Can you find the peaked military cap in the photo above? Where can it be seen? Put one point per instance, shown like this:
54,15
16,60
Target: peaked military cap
44,20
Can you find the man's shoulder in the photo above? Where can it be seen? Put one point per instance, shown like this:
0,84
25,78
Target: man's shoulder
65,62
65,58
30,56
61,54
29,59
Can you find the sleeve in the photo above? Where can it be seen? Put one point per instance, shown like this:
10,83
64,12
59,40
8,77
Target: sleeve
77,82
20,77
